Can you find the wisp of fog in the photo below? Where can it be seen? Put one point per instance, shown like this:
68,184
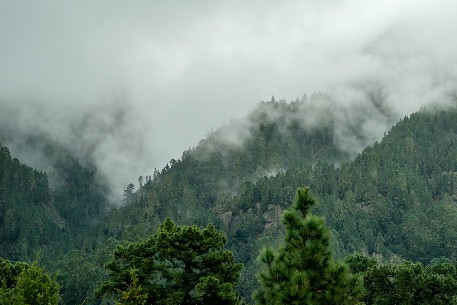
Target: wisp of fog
134,83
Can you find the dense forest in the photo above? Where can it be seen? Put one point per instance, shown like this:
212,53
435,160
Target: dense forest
394,202
26,210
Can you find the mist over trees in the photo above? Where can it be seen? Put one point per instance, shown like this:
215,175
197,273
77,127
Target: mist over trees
116,187
107,90
390,201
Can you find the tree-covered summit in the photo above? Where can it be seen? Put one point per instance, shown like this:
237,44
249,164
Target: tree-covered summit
391,200
394,200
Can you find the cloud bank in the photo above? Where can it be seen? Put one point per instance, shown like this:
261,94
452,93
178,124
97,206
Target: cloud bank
135,83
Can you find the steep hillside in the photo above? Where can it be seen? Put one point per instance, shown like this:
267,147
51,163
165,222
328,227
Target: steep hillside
57,206
50,216
79,194
397,198
28,218
274,138
401,194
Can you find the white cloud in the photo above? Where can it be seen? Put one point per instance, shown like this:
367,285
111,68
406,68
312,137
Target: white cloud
187,67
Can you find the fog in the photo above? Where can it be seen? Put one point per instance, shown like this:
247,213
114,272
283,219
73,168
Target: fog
134,83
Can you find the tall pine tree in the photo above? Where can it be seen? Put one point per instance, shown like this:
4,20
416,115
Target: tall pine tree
302,271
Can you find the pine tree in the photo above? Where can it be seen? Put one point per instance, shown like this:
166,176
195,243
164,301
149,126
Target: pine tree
129,193
406,282
183,265
302,271
21,284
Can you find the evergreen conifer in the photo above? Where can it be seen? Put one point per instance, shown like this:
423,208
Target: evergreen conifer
302,271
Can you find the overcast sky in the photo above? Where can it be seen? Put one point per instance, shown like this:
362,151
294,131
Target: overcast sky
177,69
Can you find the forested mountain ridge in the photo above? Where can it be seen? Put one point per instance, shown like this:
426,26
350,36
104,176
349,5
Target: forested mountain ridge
395,199
391,200
28,218
47,212
50,216
79,192
275,137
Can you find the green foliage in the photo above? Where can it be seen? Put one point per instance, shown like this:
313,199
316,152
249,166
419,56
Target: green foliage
79,273
406,283
177,265
222,177
26,222
359,263
391,201
129,193
303,271
24,284
41,220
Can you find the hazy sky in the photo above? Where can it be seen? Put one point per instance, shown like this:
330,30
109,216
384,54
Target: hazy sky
157,76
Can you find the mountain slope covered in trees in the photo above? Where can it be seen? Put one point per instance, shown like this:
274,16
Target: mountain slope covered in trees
50,216
51,209
28,218
276,137
397,199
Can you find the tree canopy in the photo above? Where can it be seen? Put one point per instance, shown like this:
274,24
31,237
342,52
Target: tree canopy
406,282
184,265
25,284
303,271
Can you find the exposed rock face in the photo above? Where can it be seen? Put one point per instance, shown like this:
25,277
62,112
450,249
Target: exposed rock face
227,218
272,216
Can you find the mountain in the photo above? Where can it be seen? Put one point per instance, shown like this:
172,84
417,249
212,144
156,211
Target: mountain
28,216
395,199
274,138
49,216
47,210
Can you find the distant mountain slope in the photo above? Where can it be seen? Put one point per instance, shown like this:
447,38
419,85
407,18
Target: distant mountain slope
275,137
52,221
397,198
28,218
401,194
50,211
78,191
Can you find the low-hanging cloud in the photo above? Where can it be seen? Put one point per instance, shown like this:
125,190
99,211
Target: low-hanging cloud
135,83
